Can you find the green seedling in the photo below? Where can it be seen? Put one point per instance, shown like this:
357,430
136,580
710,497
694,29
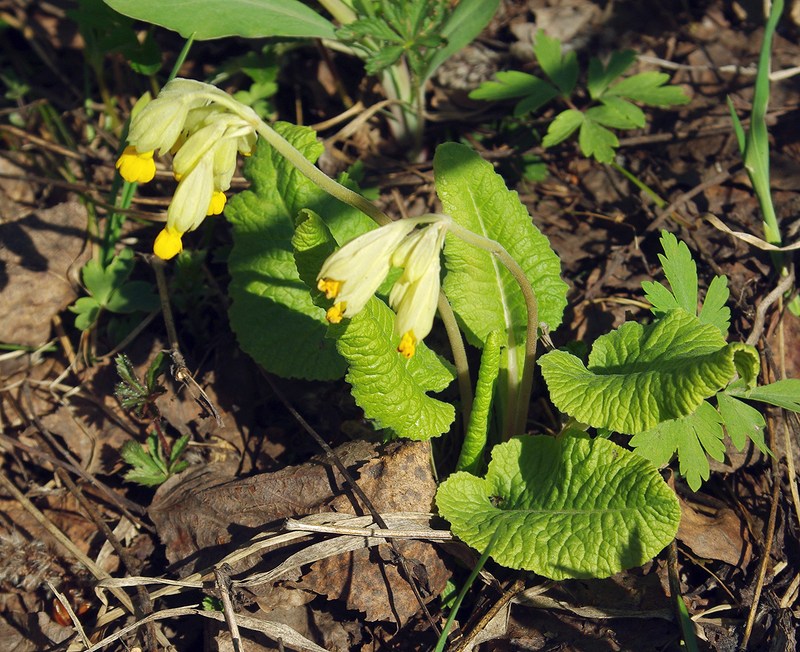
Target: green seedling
612,101
110,289
151,467
754,144
135,395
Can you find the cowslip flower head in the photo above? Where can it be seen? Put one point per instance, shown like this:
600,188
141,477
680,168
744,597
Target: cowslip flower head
352,274
205,129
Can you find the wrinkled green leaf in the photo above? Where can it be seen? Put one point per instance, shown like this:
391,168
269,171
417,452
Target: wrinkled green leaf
693,437
570,507
471,457
272,313
638,376
210,19
377,371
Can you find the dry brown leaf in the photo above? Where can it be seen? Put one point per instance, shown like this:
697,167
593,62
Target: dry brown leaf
38,252
721,536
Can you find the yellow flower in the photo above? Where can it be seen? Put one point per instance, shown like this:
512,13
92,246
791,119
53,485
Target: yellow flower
135,167
352,274
168,244
204,128
217,203
415,295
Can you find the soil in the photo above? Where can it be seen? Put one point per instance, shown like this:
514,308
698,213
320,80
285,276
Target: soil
70,520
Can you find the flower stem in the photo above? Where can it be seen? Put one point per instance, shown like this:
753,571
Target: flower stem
521,401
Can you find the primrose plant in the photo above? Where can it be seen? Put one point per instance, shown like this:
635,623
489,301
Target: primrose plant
324,286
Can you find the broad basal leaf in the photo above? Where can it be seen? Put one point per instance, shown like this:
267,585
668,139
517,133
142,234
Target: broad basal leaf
271,312
693,437
570,507
640,375
209,19
483,293
390,389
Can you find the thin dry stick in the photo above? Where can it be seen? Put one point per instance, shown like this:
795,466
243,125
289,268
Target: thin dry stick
64,541
507,596
222,580
72,615
179,370
686,196
773,517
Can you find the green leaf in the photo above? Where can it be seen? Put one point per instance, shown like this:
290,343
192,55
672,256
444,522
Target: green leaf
272,313
483,293
681,273
390,389
511,84
638,376
595,140
742,422
714,310
783,393
693,436
133,296
210,19
649,88
562,127
87,310
471,457
561,69
601,76
570,507
462,26
617,113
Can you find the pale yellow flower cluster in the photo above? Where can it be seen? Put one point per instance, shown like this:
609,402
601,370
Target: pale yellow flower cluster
352,274
194,122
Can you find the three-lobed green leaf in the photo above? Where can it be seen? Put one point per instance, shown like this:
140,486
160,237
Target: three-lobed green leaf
567,507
